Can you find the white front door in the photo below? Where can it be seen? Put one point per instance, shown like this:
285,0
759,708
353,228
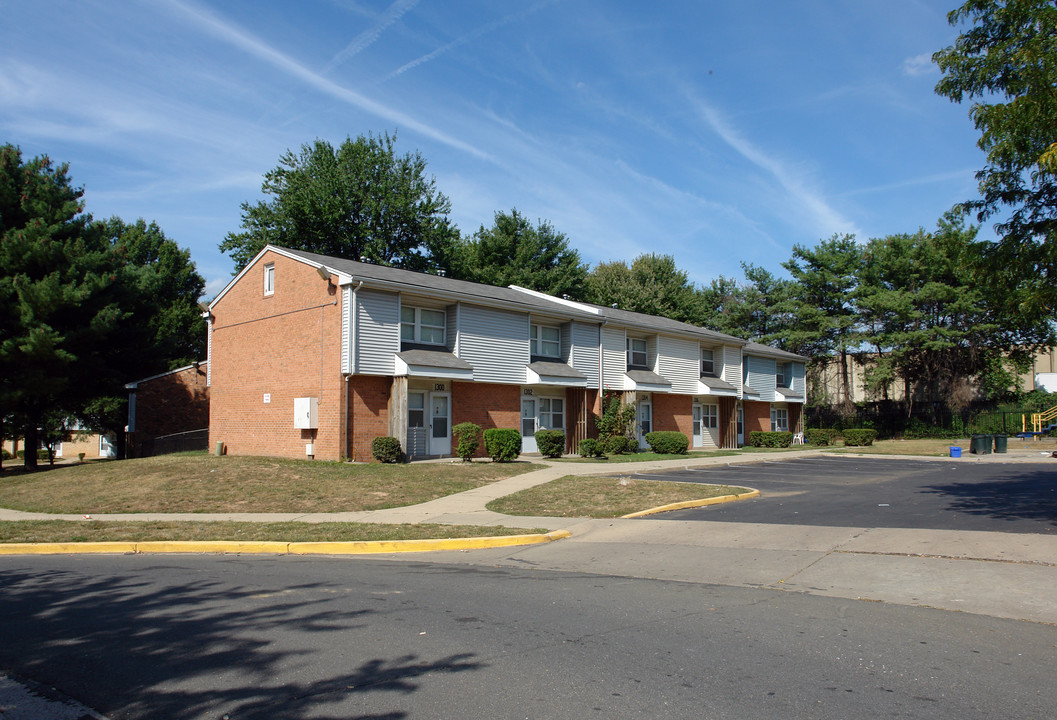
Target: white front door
698,439
439,424
645,421
528,425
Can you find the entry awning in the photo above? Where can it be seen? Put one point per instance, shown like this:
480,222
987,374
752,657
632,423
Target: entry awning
432,363
554,373
715,386
749,394
786,394
646,381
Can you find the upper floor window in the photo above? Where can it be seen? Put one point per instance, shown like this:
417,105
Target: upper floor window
546,341
422,326
269,278
708,362
783,374
637,352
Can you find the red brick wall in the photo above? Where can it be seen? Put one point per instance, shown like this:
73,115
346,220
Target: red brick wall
488,405
173,403
757,417
673,412
287,344
368,413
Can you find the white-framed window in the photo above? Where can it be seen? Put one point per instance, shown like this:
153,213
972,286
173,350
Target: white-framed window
552,413
779,420
423,326
546,340
269,278
637,352
708,362
783,374
710,416
416,410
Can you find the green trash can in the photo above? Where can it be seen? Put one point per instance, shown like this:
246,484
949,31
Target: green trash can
980,444
1001,443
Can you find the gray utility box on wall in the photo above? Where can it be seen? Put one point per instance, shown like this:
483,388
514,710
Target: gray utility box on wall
306,413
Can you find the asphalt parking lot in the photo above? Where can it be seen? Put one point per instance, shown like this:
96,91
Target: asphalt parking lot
867,492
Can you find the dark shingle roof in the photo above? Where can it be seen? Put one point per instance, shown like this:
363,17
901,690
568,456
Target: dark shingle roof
556,369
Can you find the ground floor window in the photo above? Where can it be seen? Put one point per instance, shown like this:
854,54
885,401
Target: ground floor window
552,413
710,416
779,420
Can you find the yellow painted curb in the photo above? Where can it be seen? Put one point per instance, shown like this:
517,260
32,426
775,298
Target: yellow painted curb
212,546
368,547
70,547
693,504
279,548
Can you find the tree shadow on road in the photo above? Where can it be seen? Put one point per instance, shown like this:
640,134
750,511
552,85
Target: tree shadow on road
189,645
1019,495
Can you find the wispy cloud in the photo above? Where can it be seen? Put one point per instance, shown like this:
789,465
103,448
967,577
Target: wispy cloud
919,65
367,38
826,218
483,30
239,38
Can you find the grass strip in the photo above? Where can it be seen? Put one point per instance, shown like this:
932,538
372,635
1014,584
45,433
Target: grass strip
603,497
47,531
202,483
650,456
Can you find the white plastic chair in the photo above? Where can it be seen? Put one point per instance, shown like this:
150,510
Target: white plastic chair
798,439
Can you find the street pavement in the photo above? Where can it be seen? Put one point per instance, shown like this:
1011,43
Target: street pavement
1010,575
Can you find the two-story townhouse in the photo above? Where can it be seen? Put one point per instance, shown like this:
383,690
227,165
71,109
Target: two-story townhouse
315,355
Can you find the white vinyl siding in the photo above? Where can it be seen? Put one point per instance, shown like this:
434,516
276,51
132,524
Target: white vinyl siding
761,376
583,350
731,366
378,328
677,362
613,358
494,342
799,382
346,329
453,327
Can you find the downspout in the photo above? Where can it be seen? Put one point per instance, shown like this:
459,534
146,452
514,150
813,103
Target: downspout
352,365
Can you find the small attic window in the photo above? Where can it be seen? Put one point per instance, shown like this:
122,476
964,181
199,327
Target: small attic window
269,279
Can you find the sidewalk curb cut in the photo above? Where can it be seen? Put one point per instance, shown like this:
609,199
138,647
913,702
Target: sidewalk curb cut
354,547
692,504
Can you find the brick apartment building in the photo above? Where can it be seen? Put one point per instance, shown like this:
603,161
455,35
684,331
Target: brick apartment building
316,356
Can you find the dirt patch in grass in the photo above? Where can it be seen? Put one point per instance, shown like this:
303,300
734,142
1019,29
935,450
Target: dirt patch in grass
41,531
603,497
197,482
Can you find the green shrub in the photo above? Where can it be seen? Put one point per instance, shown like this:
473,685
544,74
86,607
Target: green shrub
502,444
772,439
589,447
42,454
467,437
5,454
819,436
551,443
859,437
386,449
667,442
620,444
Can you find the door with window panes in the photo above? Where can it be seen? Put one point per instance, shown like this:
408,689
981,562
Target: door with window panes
644,418
540,413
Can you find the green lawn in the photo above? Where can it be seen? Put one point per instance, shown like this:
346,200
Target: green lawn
202,483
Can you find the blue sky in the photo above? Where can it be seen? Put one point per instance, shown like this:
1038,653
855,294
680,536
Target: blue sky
716,132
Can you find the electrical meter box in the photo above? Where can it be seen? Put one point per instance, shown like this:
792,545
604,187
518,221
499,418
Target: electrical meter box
306,413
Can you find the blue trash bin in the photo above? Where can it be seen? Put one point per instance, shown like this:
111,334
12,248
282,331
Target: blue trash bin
956,452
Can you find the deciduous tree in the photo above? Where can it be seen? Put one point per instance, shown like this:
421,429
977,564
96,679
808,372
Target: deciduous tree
361,199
